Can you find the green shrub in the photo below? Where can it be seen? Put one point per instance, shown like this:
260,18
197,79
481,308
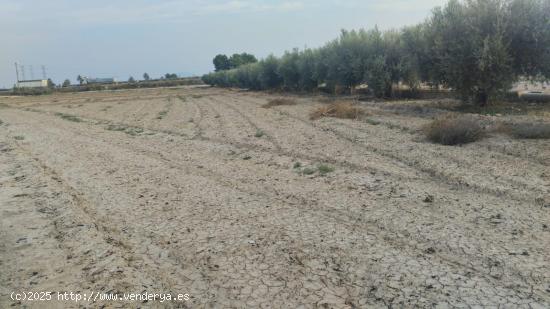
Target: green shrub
162,114
259,133
68,117
325,169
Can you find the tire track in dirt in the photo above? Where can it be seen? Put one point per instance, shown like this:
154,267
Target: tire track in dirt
252,146
80,233
256,147
119,241
390,236
197,119
350,219
249,121
503,180
434,174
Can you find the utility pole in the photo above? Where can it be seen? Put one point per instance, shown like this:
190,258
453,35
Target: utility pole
17,71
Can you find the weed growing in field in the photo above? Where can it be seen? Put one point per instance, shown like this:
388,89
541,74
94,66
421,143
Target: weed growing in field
247,158
325,169
197,96
182,98
279,102
308,171
322,169
133,131
68,117
374,122
259,133
454,130
114,127
343,110
19,137
162,114
1,122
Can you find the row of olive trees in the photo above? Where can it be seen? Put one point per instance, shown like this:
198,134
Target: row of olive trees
476,47
222,62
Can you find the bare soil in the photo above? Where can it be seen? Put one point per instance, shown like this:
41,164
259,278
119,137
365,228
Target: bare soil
176,191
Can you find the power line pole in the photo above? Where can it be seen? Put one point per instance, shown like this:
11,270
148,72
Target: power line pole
43,71
17,71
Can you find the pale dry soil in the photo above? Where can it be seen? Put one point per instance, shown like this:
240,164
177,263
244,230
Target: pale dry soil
197,190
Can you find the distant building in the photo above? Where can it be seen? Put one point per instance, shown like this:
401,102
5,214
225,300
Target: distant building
36,83
88,80
529,86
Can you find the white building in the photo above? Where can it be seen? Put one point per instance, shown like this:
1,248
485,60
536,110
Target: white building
37,83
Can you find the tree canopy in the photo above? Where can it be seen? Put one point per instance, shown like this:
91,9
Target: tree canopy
476,47
222,62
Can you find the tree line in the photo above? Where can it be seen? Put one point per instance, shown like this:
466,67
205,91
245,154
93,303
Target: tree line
476,47
222,62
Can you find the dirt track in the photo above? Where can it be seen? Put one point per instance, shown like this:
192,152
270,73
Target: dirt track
170,190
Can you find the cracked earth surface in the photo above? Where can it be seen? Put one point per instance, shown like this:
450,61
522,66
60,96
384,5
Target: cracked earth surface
171,190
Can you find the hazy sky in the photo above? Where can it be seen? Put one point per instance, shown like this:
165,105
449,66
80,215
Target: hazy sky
122,38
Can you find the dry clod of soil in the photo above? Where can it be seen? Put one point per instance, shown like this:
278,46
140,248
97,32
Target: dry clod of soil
344,110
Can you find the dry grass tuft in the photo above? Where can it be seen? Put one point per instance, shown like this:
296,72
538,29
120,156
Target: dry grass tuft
536,130
454,130
343,110
279,102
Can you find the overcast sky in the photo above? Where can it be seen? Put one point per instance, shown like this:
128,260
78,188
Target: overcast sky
122,38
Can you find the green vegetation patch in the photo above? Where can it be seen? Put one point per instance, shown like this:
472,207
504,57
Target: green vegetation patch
321,169
69,117
162,114
325,169
133,131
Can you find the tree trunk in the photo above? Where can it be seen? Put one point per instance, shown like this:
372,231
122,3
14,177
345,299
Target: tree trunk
482,98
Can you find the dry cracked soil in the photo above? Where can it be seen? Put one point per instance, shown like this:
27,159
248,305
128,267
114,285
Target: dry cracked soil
202,191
